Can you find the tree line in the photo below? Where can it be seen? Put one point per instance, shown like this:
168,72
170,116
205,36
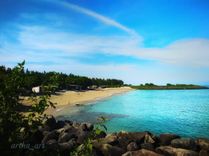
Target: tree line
59,80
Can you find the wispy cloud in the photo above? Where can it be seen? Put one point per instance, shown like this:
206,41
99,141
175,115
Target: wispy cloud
99,17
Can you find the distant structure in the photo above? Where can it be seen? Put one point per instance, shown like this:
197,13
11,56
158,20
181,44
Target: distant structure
74,87
37,89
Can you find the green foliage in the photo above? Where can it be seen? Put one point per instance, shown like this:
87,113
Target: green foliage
86,149
151,86
14,126
59,80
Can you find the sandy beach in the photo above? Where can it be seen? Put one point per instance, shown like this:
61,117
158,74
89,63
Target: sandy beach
72,98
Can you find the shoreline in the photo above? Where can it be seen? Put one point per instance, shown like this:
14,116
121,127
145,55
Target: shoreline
79,98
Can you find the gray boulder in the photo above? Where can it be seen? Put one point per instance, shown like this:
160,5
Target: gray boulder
64,137
171,151
109,150
52,144
204,153
203,143
51,135
148,146
165,139
132,146
186,143
67,145
142,152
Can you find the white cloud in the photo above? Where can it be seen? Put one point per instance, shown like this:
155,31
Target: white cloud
97,16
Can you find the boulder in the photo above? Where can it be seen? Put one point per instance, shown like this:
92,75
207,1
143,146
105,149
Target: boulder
165,139
109,139
60,124
65,137
148,146
81,136
51,123
86,126
125,138
171,151
204,153
203,143
186,143
109,150
52,144
67,145
132,146
51,135
142,152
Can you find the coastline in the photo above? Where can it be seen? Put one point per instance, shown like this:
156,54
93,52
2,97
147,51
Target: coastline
73,98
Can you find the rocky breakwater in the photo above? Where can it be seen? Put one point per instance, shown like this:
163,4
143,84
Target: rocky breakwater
64,136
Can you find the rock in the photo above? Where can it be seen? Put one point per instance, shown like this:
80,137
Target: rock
148,139
203,143
148,146
171,151
76,124
142,152
90,126
204,153
165,139
67,145
51,123
132,146
64,137
109,139
52,144
125,138
83,135
83,127
51,135
109,150
36,137
186,143
60,124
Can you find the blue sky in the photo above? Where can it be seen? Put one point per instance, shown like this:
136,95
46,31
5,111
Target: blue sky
136,41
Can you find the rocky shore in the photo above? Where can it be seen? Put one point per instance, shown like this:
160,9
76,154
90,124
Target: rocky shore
66,135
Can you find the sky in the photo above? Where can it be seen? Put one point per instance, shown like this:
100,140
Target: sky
144,41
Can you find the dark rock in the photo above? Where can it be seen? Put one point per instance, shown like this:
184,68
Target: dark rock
165,139
132,146
60,124
64,137
186,143
83,127
109,150
90,126
36,137
171,151
125,138
82,135
148,146
51,135
51,123
142,152
203,143
52,144
76,124
109,139
149,139
67,145
204,153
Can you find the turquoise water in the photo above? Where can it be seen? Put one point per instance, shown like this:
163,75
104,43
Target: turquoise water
184,112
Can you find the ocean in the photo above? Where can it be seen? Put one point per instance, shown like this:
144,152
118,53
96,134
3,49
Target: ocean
183,112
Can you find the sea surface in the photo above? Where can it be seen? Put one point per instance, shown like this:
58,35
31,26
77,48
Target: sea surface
184,112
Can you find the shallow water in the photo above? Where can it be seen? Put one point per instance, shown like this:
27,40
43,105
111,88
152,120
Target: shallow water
184,112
